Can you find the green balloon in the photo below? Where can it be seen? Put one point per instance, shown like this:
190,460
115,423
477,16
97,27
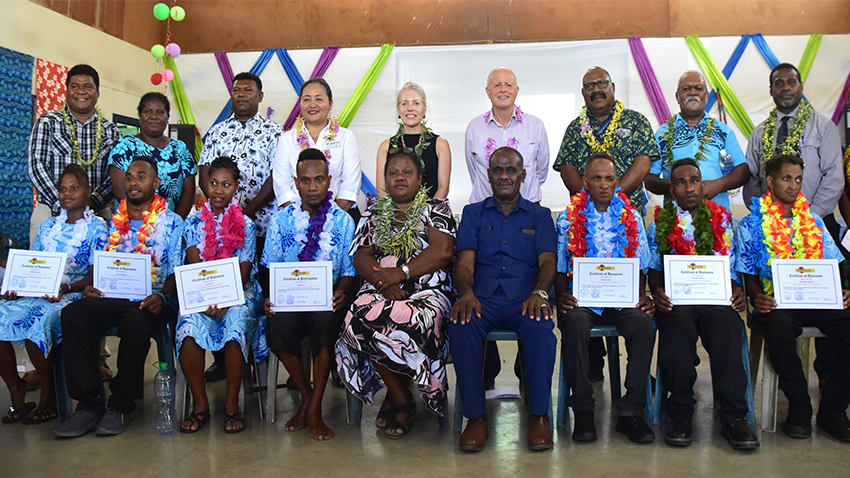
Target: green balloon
178,14
160,11
158,51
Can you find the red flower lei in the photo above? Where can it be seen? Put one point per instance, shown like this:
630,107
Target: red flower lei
121,236
576,214
231,236
679,245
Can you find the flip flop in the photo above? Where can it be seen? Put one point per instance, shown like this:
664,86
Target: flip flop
201,418
41,417
17,414
231,419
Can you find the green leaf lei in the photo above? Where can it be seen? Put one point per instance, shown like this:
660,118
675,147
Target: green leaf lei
669,135
665,221
424,141
403,242
792,141
98,141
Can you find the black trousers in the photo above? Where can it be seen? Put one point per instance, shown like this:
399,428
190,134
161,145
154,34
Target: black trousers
83,325
827,347
285,330
781,328
635,326
720,330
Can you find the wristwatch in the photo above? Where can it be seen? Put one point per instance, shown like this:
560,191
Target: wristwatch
406,271
542,293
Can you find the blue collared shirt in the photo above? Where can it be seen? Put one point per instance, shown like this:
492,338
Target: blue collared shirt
507,247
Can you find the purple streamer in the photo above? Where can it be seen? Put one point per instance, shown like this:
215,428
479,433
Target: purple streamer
226,70
839,108
649,80
328,55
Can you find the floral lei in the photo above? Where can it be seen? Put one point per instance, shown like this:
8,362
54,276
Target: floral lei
149,233
304,142
403,242
424,141
805,241
706,234
98,142
490,147
610,133
669,138
81,229
229,238
314,233
583,218
794,135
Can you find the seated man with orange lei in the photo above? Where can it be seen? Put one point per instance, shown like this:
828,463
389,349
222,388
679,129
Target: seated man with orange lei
601,222
143,225
781,225
692,225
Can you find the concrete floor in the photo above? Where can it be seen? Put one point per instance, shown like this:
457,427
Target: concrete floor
267,450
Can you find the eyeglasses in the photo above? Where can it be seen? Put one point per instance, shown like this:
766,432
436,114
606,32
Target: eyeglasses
602,84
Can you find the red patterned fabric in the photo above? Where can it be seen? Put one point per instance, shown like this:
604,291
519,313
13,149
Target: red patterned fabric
49,86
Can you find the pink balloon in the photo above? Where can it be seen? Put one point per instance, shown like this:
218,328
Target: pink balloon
167,75
156,78
172,50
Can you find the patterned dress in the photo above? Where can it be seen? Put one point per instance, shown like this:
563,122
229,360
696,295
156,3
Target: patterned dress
406,336
174,163
36,319
239,323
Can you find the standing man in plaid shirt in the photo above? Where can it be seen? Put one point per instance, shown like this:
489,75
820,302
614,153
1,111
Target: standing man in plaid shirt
78,133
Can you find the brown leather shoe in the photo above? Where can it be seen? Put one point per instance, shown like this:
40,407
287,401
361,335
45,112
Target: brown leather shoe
539,433
474,435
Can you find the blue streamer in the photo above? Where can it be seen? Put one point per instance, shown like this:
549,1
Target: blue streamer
765,50
257,69
730,67
291,70
367,187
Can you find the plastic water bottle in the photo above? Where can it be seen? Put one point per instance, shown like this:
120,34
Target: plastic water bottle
163,390
726,162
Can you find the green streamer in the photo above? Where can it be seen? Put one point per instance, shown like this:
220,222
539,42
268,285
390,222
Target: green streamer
809,55
182,103
718,82
364,87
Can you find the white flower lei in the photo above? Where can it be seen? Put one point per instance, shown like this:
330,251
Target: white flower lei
301,221
686,223
603,238
81,230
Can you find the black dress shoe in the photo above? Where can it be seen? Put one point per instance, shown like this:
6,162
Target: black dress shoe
635,428
834,423
739,434
584,429
679,431
798,424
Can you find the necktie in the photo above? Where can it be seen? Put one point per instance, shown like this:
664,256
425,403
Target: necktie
782,134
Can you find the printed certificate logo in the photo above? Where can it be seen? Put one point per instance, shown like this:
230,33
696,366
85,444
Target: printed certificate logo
803,270
693,266
297,273
36,261
603,267
205,272
120,263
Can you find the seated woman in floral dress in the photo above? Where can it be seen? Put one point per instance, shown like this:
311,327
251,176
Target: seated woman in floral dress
221,231
394,333
34,322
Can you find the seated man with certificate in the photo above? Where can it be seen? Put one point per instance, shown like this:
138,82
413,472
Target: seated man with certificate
310,229
690,225
600,222
142,225
219,231
34,321
781,226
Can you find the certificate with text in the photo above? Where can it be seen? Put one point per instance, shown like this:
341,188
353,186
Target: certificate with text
212,283
606,282
806,284
122,275
301,286
697,280
34,273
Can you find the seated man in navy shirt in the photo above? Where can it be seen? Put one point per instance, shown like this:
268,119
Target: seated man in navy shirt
505,264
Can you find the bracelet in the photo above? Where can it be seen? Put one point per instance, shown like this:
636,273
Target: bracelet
164,300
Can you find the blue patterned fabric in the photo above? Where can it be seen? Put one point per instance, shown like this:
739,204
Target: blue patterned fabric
239,323
174,163
16,106
36,319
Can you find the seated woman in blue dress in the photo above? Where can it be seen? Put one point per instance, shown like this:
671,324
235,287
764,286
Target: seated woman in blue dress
33,322
221,231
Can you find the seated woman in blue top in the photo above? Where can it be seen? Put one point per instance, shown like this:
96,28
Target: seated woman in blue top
221,231
34,322
175,165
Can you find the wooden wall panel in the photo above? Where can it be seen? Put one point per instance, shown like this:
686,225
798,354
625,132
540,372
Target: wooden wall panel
536,20
83,11
112,17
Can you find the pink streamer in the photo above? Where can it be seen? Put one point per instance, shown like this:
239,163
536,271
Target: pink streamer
842,99
226,70
322,65
650,81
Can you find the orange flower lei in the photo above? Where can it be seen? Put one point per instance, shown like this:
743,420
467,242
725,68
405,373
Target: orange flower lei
805,240
120,240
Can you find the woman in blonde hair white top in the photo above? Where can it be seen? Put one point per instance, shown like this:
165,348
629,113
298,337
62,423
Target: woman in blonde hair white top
433,150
